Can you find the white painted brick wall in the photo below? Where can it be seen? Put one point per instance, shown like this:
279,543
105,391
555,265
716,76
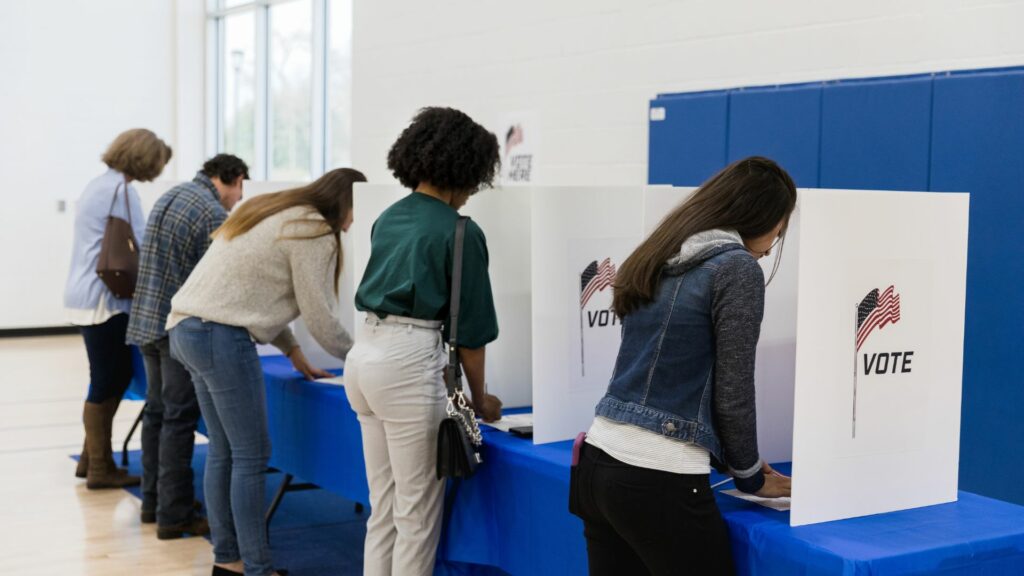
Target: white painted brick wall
587,68
74,75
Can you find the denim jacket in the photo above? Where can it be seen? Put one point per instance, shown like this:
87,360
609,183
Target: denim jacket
685,367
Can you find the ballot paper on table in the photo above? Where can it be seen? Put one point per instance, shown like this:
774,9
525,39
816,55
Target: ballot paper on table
336,381
780,504
511,421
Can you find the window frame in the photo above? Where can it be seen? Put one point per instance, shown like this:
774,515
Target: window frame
320,133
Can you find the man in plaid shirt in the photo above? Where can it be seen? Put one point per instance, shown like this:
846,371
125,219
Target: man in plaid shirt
177,235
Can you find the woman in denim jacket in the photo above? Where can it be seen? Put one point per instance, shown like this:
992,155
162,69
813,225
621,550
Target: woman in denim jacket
681,398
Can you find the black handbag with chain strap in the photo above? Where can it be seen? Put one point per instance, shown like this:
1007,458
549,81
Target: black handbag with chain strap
459,442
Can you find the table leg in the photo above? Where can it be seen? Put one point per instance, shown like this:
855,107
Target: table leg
131,432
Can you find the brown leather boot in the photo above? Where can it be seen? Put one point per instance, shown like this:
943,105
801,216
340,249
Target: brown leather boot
110,406
83,459
99,474
83,462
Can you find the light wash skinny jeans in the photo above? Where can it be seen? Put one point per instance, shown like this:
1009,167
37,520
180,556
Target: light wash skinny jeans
228,377
395,382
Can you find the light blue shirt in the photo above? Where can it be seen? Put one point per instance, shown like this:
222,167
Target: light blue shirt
84,288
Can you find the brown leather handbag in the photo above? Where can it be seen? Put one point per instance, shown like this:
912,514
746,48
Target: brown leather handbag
118,265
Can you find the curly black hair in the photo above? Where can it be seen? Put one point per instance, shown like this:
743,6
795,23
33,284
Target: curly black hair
226,167
446,148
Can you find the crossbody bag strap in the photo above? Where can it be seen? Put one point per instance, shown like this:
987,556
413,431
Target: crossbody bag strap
453,322
113,201
127,207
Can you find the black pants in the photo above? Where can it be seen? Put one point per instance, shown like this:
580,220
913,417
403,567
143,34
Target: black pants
168,436
110,359
640,521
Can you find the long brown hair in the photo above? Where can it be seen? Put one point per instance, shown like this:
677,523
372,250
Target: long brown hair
750,196
330,195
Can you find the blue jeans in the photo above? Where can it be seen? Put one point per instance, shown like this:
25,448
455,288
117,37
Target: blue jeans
168,437
228,379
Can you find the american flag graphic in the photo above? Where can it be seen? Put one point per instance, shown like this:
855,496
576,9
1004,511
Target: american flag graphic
595,278
513,138
877,311
874,311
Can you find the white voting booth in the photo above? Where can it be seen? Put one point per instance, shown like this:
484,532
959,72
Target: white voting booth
881,287
859,365
860,358
573,359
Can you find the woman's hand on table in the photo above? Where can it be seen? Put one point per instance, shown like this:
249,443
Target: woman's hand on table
775,486
768,470
301,364
488,407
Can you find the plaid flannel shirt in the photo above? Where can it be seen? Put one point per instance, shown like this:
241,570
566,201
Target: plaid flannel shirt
177,235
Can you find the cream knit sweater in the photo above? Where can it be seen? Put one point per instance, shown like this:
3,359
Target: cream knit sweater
265,278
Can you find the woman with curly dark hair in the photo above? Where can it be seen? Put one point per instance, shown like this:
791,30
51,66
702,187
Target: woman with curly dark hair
394,373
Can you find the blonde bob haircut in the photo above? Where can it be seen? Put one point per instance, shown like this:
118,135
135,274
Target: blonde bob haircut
138,153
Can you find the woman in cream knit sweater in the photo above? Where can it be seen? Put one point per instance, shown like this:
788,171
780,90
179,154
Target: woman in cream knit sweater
278,256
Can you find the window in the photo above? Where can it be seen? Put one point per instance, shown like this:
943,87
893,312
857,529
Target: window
339,84
291,88
238,63
281,92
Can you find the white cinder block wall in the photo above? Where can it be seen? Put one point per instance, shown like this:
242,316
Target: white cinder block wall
587,68
75,74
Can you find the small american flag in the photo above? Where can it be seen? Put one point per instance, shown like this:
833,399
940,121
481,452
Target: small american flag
513,138
595,278
877,311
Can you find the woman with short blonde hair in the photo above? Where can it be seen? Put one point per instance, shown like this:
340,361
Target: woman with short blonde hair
135,155
138,154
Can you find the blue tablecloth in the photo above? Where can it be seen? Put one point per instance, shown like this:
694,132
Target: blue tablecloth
314,433
137,387
513,513
975,535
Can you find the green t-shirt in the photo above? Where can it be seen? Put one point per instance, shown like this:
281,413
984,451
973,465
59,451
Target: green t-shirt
410,269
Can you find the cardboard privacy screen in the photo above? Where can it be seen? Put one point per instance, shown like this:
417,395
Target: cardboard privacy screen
879,352
859,364
581,235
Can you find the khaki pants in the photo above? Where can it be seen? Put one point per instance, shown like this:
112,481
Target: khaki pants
395,382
